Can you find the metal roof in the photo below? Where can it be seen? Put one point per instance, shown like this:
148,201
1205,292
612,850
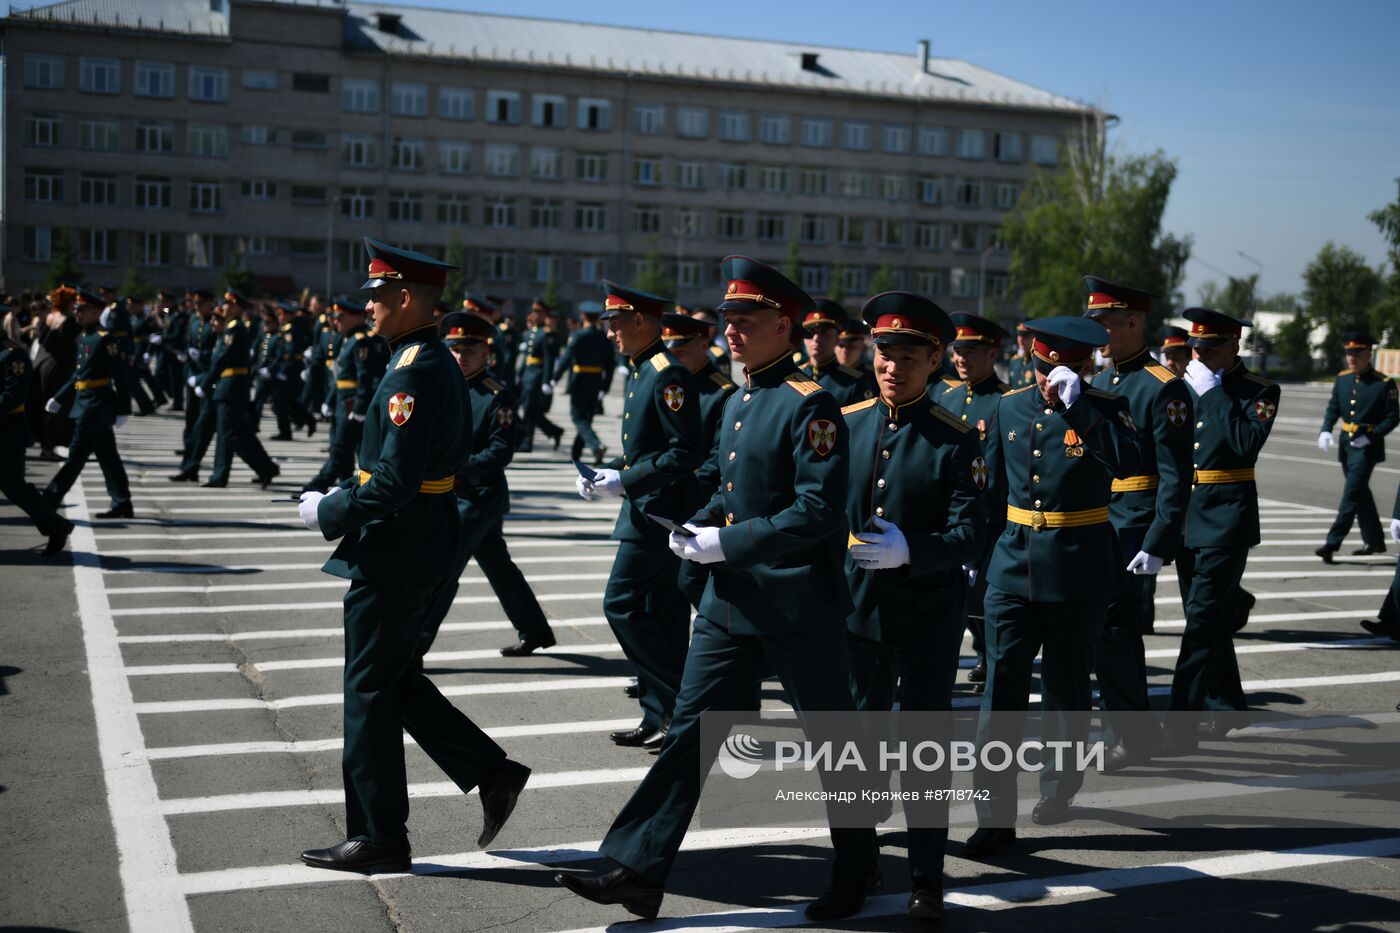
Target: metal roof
482,37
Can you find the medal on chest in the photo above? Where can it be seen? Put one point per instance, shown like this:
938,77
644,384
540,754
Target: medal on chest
1074,447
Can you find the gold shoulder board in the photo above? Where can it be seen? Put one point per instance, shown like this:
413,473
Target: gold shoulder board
660,361
491,384
720,380
409,356
950,419
1161,372
858,406
804,386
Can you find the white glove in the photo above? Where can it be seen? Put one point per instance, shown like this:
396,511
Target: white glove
192,381
1324,441
1395,530
310,500
157,339
971,573
305,376
1066,383
307,353
703,547
883,551
1200,378
584,487
606,485
602,394
182,356
52,406
1145,563
194,353
547,388
281,377
105,319
325,410
120,421
263,372
199,391
354,417
1360,441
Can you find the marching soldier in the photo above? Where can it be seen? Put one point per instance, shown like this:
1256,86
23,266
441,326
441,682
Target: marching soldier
916,511
973,398
777,516
1175,355
662,445
358,370
1366,401
16,378
116,321
102,402
850,344
145,347
1020,372
320,361
225,385
398,530
199,418
293,338
1061,445
172,343
536,364
821,327
1387,621
483,497
588,359
1147,511
268,346
1235,411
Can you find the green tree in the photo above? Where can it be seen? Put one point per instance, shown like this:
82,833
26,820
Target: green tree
134,284
237,276
836,287
551,294
1339,290
1293,344
456,288
1239,297
1208,295
1385,316
792,263
653,276
63,267
882,280
1099,214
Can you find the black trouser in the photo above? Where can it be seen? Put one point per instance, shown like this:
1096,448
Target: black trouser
1207,675
1357,502
199,430
15,487
1120,661
582,408
650,618
345,443
92,436
235,436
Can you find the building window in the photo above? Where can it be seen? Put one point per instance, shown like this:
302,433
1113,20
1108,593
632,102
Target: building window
689,274
968,192
308,194
208,83
773,179
260,246
814,182
456,103
548,110
406,206
358,151
498,267
965,238
734,126
972,144
814,229
311,82
816,133
309,139
454,209
594,114
592,269
97,190
204,250
891,232
256,79
503,107
772,228
154,79
856,136
732,176
853,279
813,279
649,119
775,129
154,248
357,203
155,137
99,76
855,185
894,187
646,218
962,283
408,155
546,215
545,267
546,163
307,249
931,191
408,100
258,135
1045,150
933,141
208,142
690,175
454,158
689,223
38,244
43,130
501,213
153,194
591,218
206,196
647,171
43,186
591,166
359,96
502,160
1006,147
350,256
895,138
928,281
258,189
998,284
732,225
692,122
850,231
99,135
1006,194
98,247
46,72
928,236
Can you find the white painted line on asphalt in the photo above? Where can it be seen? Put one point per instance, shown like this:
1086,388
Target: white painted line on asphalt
1266,502
146,854
333,604
1339,644
331,584
325,547
1318,461
1278,617
601,557
1175,600
309,664
332,631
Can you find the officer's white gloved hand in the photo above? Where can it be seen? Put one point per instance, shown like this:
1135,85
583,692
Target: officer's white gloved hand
52,406
194,353
1066,383
307,353
607,484
1360,441
1200,378
584,487
602,394
263,372
182,356
703,547
310,500
305,376
192,381
1324,441
120,421
881,551
1145,563
199,391
971,574
104,320
325,410
354,417
281,377
1395,530
157,339
547,388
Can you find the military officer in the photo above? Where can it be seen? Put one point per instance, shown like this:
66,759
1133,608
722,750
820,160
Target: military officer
1366,402
1173,353
398,529
851,344
267,347
503,346
915,510
821,327
973,398
588,360
536,363
171,342
1061,445
714,342
662,445
1147,511
1235,411
204,333
145,340
319,361
102,402
116,321
1020,371
1387,621
293,338
225,385
16,378
777,518
358,370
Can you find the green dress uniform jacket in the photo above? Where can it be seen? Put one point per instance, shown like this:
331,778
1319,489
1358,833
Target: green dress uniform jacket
714,389
101,393
845,384
1020,371
1366,403
588,361
227,377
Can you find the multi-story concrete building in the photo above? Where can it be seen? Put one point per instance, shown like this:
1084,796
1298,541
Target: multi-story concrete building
182,135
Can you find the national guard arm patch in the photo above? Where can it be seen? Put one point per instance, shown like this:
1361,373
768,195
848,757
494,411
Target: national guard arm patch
1265,409
400,408
979,472
821,434
505,417
1176,412
674,396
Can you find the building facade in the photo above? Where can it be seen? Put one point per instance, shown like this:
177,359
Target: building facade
184,135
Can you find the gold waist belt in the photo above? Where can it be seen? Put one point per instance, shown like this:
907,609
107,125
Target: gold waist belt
1136,483
1351,428
588,369
91,384
330,364
1213,477
17,410
534,360
432,486
235,371
346,384
1038,519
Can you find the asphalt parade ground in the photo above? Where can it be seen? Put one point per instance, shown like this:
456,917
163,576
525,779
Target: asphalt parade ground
170,723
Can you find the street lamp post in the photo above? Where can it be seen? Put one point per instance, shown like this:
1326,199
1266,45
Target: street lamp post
982,277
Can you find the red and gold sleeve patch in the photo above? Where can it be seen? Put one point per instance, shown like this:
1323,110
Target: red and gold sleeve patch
979,472
400,408
1265,409
821,435
674,396
1176,412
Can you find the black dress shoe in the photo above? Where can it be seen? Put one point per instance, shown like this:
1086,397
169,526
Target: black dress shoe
118,511
988,841
181,452
1381,627
632,738
266,479
618,886
526,645
58,539
498,798
841,899
926,900
1050,811
979,689
1119,757
633,689
1325,553
652,743
185,476
1244,604
978,674
365,857
598,455
558,439
576,448
1369,549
